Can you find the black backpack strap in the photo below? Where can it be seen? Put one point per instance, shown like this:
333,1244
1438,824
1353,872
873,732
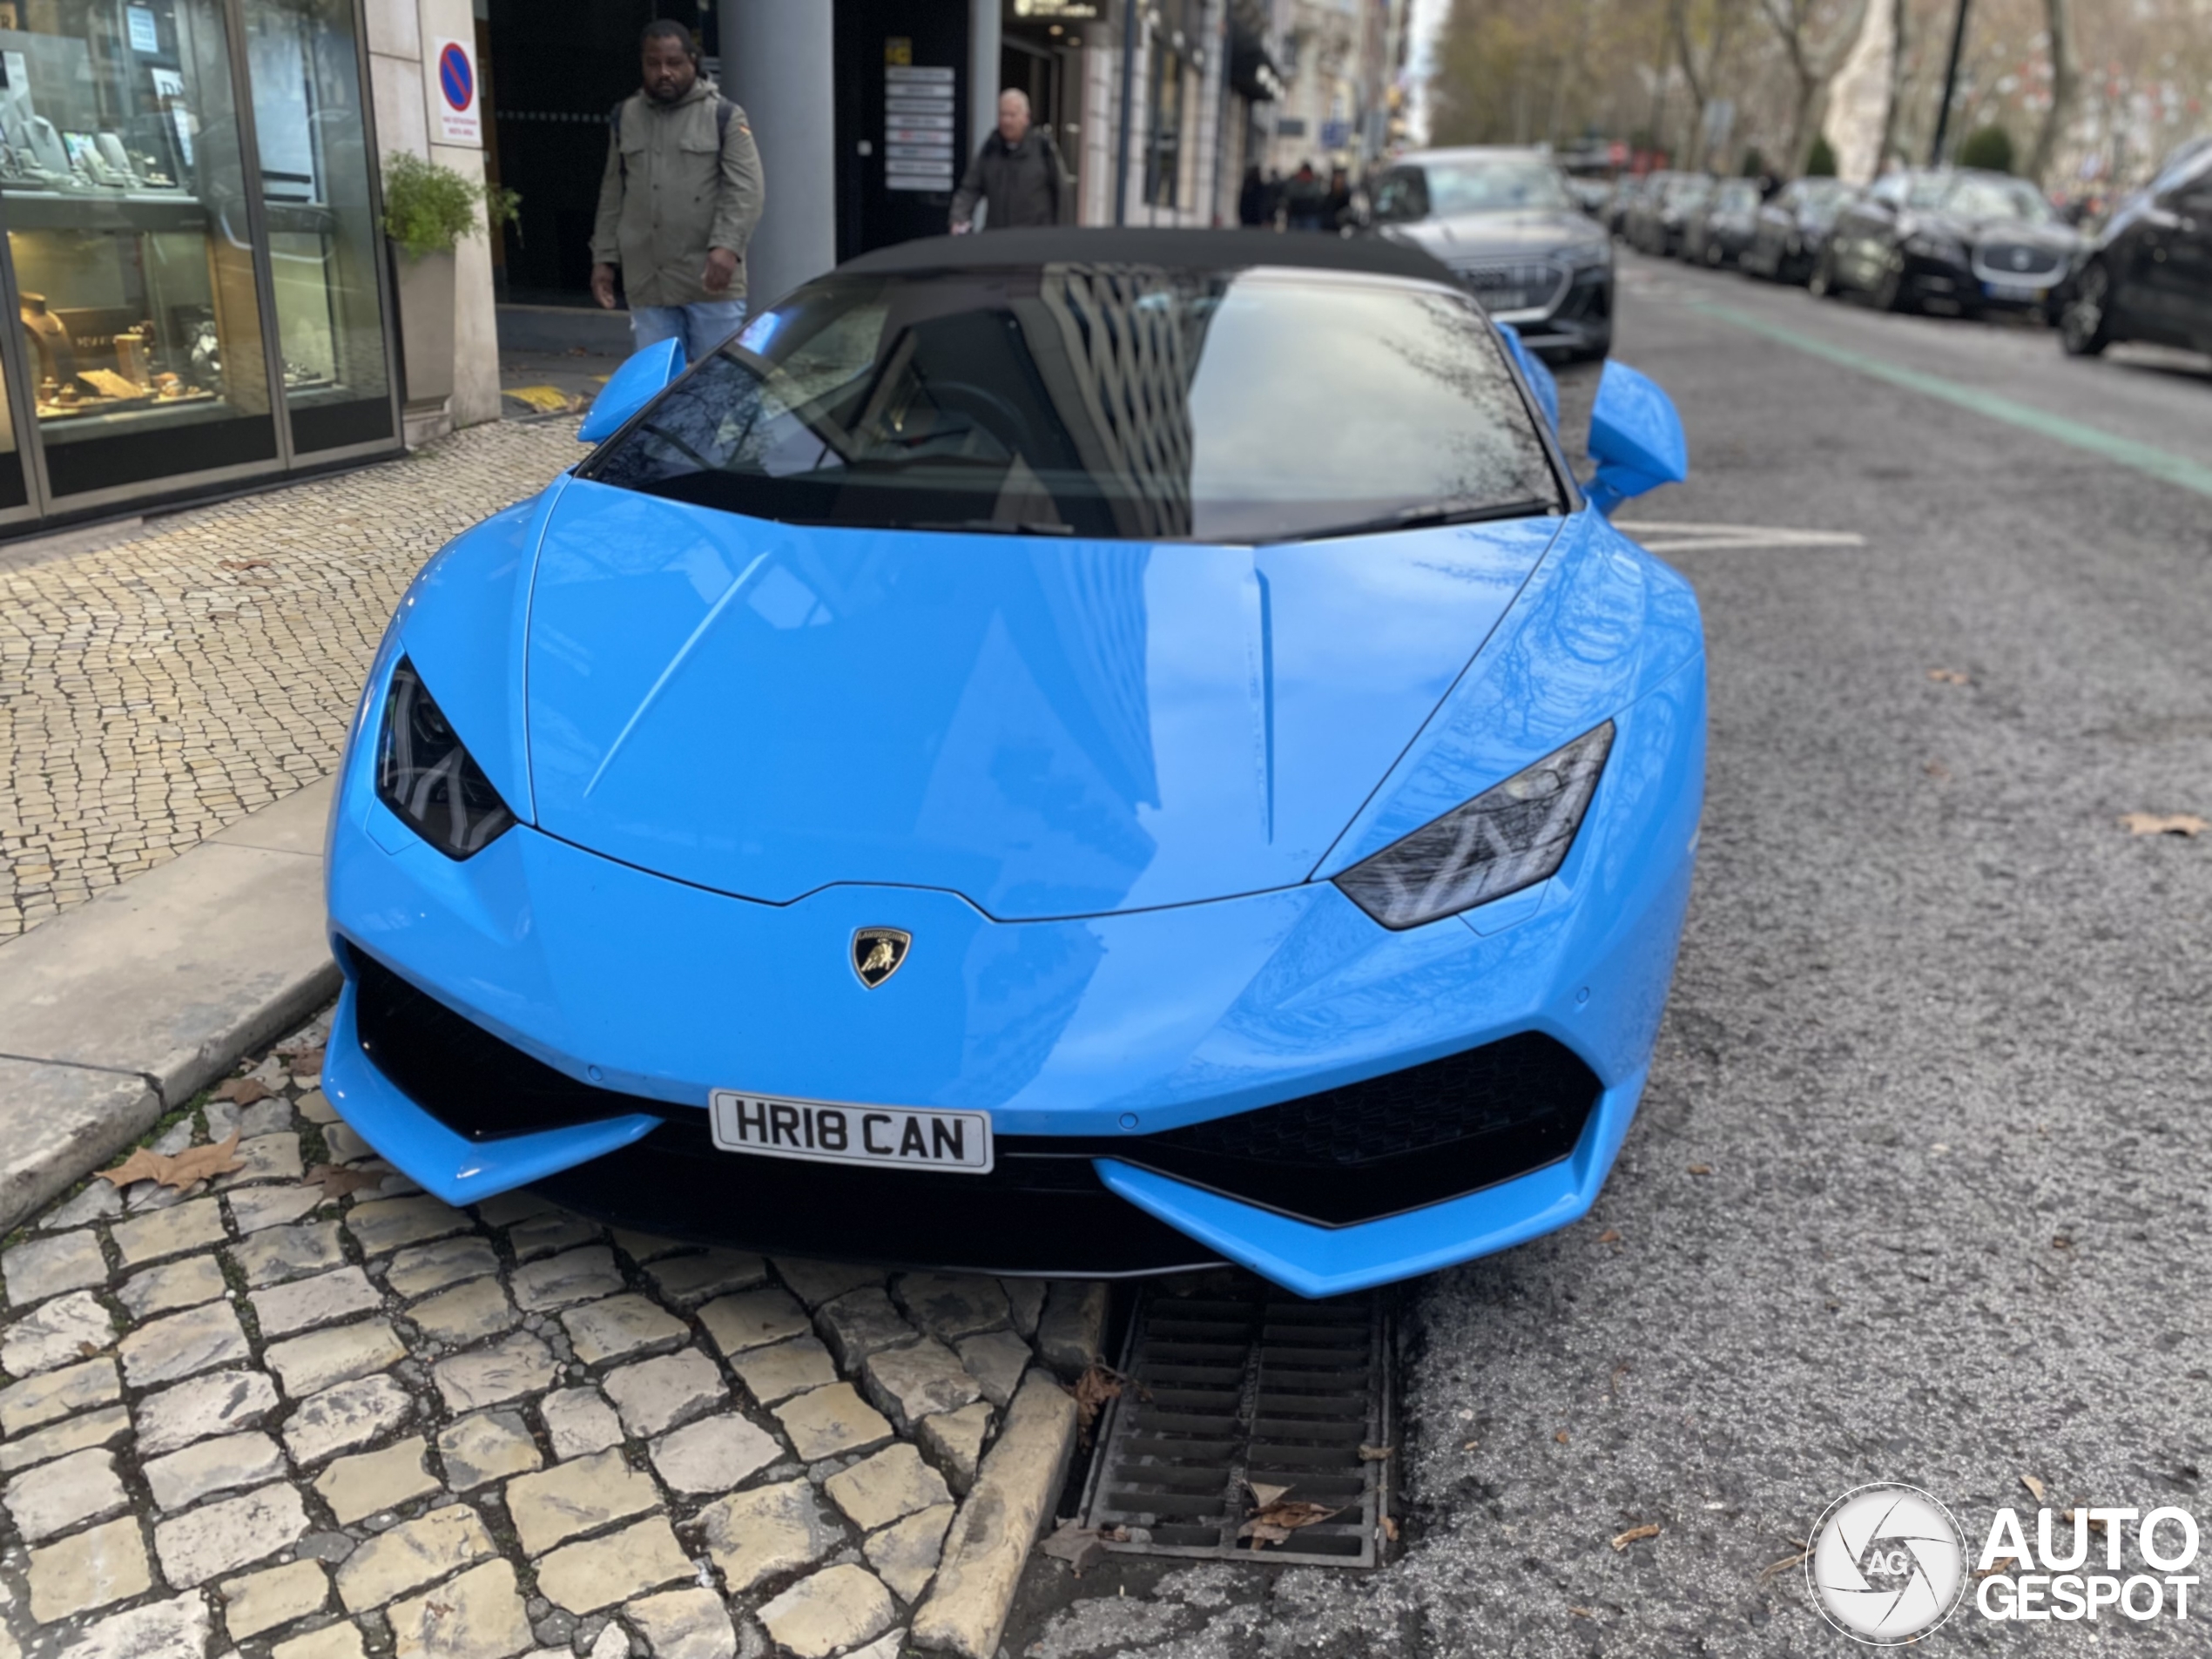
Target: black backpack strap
723,111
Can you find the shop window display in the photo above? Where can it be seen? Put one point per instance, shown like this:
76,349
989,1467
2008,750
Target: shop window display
312,139
123,192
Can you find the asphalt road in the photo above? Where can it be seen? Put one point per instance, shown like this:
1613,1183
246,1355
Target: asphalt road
1937,1033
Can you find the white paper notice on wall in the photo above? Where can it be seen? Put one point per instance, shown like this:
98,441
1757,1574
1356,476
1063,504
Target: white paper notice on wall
452,93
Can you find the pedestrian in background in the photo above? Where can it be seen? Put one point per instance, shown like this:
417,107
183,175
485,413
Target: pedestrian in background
1302,199
1252,199
678,202
1336,205
1015,175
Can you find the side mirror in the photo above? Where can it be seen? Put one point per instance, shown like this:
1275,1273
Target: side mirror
642,376
1635,438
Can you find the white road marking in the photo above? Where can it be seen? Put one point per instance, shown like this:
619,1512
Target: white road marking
1699,538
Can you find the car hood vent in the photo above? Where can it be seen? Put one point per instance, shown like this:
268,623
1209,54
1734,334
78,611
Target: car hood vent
1047,727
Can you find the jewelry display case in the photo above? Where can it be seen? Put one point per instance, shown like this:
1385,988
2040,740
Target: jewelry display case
182,316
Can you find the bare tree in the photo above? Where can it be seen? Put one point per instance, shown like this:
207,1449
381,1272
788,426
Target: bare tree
1893,94
1816,37
2066,77
1718,19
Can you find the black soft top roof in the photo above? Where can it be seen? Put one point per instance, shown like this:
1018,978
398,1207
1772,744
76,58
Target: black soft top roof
1188,249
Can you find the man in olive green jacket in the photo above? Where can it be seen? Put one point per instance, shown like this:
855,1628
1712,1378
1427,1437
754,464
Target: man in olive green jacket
677,203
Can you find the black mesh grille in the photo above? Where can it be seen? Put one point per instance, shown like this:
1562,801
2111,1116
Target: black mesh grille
1394,1143
1482,1091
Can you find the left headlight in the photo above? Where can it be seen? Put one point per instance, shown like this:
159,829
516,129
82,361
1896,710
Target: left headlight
426,776
1506,839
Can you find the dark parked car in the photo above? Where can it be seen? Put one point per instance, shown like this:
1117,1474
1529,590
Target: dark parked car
1626,195
1960,242
1718,232
1792,227
2149,276
1655,222
1505,224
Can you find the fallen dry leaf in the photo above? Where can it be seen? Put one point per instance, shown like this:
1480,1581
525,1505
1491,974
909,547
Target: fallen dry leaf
1080,1546
2033,1486
1469,1446
1782,1566
1610,1236
1092,1390
1389,1528
337,1183
242,1091
1949,677
1701,1169
1263,1495
1560,1437
1373,1454
2060,1241
204,1163
1275,1522
1581,1613
187,1168
1635,1534
305,1064
144,1164
87,1349
2164,824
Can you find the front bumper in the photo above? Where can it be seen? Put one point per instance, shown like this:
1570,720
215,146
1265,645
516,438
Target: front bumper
1580,324
1091,1041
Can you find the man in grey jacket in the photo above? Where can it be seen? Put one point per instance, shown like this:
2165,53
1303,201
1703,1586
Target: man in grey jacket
677,203
1016,174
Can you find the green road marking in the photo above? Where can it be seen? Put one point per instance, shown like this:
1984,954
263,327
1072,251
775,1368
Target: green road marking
2157,463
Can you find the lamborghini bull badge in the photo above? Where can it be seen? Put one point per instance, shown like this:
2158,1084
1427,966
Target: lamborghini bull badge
878,953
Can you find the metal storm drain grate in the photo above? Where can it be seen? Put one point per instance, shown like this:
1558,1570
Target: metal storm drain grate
1239,1389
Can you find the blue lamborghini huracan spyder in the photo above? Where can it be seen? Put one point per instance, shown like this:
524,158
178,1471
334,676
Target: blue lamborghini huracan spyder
1052,752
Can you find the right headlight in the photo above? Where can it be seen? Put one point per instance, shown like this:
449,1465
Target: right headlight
426,776
1584,254
1506,839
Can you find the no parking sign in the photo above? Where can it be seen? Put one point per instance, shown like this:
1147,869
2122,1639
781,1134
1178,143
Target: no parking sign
454,99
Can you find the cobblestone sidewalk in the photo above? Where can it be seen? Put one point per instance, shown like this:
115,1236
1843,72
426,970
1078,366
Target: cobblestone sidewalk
157,690
322,1419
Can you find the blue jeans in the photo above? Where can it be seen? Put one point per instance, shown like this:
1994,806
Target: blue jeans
701,327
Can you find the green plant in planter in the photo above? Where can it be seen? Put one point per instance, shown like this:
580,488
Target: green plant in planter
428,208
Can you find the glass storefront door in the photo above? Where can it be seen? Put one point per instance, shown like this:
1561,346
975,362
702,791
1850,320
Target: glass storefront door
313,140
194,265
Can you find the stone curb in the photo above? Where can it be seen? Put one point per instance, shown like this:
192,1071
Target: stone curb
124,1008
998,1521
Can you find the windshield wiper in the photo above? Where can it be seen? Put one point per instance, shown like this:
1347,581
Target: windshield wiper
989,526
1421,518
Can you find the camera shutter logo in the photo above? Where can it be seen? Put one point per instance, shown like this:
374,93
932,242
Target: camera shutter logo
1888,1564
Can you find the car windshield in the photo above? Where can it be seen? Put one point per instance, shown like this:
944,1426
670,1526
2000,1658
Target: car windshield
1818,196
1502,184
1994,199
1120,401
1688,192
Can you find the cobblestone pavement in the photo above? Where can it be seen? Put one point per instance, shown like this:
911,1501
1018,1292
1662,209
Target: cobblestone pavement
325,1417
155,689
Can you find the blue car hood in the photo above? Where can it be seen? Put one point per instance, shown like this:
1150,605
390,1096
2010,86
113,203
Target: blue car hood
1047,727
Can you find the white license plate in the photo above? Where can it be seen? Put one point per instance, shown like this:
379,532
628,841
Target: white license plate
1506,299
2021,292
826,1132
